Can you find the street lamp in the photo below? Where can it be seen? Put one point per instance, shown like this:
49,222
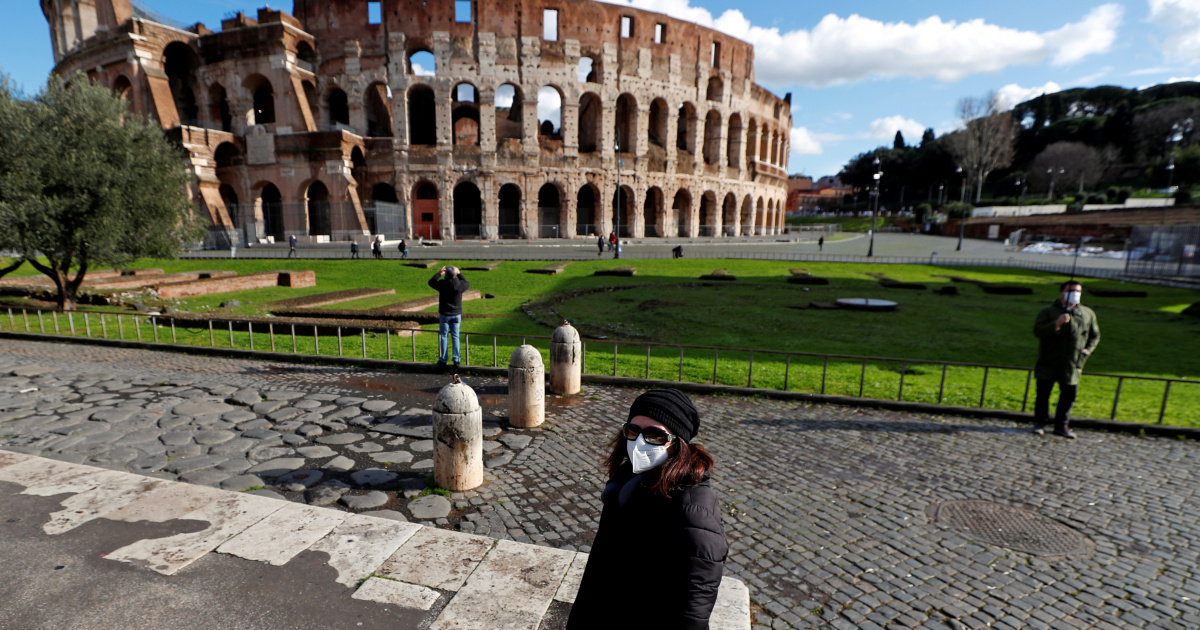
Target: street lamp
1170,174
617,209
1021,194
962,200
875,210
1052,174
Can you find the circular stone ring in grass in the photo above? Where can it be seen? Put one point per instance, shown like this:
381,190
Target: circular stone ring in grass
866,304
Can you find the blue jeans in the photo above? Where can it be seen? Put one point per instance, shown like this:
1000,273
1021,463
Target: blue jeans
448,325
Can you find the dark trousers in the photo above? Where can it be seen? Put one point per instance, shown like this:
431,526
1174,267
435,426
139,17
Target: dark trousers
1041,404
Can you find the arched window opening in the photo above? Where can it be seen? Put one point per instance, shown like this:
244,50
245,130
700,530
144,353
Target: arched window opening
747,216
319,223
338,106
681,213
626,118
272,212
306,58
760,217
219,114
585,211
379,111
775,148
180,63
123,89
510,210
733,148
230,199
226,155
589,123
465,115
685,130
426,220
510,119
657,129
651,211
622,207
589,69
357,159
763,143
422,116
751,142
708,214
262,109
712,137
549,212
716,89
549,110
729,216
422,63
468,211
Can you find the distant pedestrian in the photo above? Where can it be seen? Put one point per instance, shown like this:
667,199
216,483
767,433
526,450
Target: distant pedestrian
821,244
660,548
377,248
1069,334
677,251
612,241
292,246
403,249
450,285
600,245
353,249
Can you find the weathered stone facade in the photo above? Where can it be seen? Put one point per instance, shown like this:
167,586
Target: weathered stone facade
319,123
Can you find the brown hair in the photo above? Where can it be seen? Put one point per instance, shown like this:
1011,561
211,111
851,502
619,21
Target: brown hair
686,465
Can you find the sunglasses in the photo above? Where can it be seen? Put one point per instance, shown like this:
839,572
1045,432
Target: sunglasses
652,435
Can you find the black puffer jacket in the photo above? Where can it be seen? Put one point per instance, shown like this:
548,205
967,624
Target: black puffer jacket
656,562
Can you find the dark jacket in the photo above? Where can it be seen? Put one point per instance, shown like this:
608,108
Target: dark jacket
450,292
1060,355
656,562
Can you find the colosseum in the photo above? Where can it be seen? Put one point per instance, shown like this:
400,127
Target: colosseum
447,119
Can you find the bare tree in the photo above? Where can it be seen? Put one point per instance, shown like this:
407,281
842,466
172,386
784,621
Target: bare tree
987,140
1070,163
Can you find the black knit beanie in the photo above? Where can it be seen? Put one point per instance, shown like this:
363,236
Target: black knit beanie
670,407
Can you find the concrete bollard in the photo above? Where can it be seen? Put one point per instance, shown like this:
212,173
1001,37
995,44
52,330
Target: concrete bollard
526,388
457,438
566,360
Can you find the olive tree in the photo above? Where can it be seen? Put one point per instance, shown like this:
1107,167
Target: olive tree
84,183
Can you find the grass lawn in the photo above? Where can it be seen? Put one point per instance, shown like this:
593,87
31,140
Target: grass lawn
665,303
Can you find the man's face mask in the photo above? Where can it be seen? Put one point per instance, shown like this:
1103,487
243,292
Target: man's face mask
1071,298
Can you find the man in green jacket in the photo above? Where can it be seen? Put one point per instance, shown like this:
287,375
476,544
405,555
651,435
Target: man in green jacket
1069,334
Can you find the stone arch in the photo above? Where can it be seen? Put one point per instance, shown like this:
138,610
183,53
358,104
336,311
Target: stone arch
378,106
622,206
710,217
585,211
227,154
733,145
422,62
760,217
426,214
685,129
625,123
306,57
316,198
180,63
262,99
656,131
468,210
769,218
652,212
510,210
751,142
122,87
747,218
550,210
716,89
590,114
465,114
510,119
550,102
588,70
729,215
712,137
219,113
422,116
775,147
681,212
337,107
270,208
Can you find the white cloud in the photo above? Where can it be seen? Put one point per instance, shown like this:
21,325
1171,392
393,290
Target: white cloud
1181,21
844,49
804,142
1145,71
1178,79
886,128
1012,94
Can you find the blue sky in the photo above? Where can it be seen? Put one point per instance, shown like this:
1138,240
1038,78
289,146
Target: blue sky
858,70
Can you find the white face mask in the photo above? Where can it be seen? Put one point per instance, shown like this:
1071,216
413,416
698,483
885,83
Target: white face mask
1073,297
644,456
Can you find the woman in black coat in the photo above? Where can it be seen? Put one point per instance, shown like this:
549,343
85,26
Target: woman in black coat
660,549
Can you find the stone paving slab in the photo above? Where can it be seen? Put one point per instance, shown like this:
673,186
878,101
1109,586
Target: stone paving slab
115,493
281,536
397,593
437,558
358,545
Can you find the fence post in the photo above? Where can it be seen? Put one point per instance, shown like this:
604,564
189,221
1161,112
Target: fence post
293,327
316,341
120,327
824,373
942,387
42,322
387,335
12,323
103,325
983,390
250,329
647,361
750,372
339,334
364,341
212,341
1025,400
153,328
412,335
271,334
230,334
25,316
1162,412
862,378
716,359
71,321
467,349
680,377
903,370
495,363
614,359
137,325
1116,398
173,341
787,367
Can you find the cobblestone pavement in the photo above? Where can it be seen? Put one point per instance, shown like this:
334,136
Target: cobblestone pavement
838,517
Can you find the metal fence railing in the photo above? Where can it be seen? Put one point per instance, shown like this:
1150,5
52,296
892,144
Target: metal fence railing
1143,399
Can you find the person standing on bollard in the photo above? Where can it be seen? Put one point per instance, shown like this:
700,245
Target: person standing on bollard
450,285
660,550
1068,334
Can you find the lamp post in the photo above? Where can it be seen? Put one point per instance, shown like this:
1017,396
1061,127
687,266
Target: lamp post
875,210
962,200
1052,174
617,209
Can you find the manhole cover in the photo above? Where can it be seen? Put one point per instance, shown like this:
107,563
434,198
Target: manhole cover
1012,528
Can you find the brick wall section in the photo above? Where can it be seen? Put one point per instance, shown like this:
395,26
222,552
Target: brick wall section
91,278
421,304
139,281
293,279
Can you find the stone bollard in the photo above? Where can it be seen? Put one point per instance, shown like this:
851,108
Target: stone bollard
457,438
566,360
526,388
